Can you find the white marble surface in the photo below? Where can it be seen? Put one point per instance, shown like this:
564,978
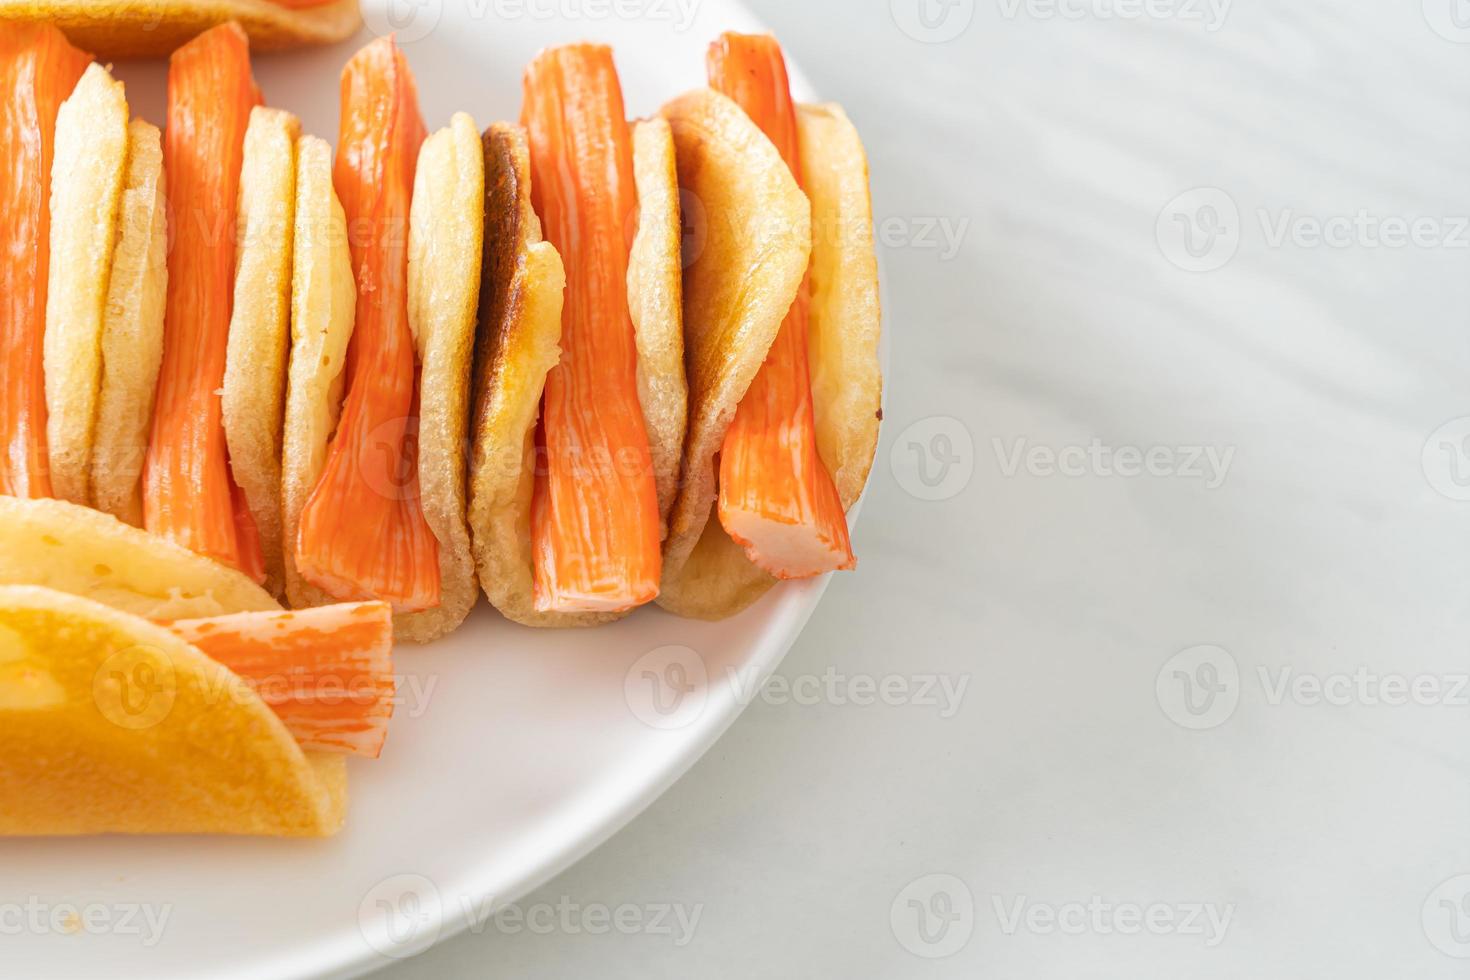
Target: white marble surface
1317,545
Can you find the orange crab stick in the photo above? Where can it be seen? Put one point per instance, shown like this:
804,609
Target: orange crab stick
595,521
777,499
327,672
38,70
363,533
188,492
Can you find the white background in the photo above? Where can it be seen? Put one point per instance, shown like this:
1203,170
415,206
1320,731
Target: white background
1054,149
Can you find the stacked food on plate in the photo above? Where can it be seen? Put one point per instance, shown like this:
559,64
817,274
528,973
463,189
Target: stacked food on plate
266,406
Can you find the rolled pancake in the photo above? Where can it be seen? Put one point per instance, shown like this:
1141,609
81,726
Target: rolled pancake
655,303
445,241
323,306
132,331
758,236
445,244
253,397
86,191
150,28
112,724
519,330
845,315
88,553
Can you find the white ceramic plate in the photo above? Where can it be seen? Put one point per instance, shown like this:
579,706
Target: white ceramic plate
513,752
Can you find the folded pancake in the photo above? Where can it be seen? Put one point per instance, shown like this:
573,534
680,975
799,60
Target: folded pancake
38,70
847,381
132,330
376,447
91,554
737,290
323,303
112,724
253,397
148,28
519,330
519,326
86,192
445,243
656,304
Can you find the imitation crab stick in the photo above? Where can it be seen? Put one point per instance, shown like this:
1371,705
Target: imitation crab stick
327,672
38,70
777,499
188,492
362,533
595,519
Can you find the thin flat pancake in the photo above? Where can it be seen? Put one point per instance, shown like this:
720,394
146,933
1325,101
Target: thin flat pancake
132,332
323,305
445,241
751,241
254,393
150,28
847,382
519,329
706,575
655,303
112,724
88,553
86,192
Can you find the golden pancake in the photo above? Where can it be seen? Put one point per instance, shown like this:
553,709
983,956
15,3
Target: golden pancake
112,724
86,191
88,553
132,331
150,28
323,307
445,241
760,235
254,393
